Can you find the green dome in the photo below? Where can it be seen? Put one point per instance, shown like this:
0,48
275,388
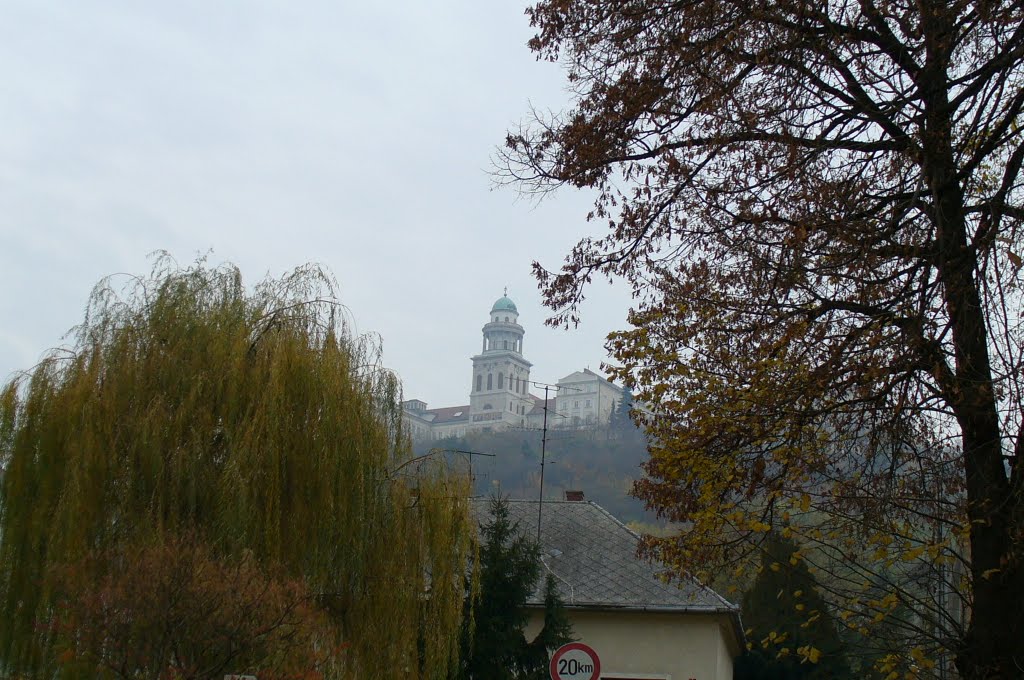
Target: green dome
503,304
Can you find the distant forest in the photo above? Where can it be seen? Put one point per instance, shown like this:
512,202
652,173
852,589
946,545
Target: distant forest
602,462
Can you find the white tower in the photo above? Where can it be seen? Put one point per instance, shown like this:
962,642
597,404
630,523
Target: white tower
499,395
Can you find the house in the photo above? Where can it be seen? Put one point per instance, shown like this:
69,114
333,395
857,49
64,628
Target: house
642,627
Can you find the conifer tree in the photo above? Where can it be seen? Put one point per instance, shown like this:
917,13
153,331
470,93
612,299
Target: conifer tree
494,644
253,421
788,623
556,632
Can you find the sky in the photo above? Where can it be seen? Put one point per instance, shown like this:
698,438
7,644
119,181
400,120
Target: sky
271,134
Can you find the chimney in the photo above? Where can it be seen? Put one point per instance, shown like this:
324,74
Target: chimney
573,495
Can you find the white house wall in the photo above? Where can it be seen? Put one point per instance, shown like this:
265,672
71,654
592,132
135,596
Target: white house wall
652,645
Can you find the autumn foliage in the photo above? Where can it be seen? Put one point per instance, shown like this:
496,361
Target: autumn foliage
216,478
818,206
173,610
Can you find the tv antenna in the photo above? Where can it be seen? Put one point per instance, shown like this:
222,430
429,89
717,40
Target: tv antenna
543,444
437,451
469,457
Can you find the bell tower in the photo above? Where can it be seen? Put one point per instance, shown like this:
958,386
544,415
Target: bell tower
499,393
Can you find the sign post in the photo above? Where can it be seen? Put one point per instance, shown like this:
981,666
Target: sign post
575,661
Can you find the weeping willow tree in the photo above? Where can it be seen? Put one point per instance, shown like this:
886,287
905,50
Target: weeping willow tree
255,420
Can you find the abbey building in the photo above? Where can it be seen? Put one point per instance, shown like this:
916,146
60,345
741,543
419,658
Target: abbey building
500,393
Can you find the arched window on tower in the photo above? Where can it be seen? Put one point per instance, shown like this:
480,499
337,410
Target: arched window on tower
505,344
479,382
517,385
490,381
501,380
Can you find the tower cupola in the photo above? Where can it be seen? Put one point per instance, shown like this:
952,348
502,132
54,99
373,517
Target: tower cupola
499,394
502,332
504,304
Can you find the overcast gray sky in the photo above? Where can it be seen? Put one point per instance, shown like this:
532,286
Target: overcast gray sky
357,135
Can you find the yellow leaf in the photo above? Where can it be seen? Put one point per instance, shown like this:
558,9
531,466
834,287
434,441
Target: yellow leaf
912,554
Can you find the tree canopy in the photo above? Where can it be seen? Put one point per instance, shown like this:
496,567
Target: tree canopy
494,644
253,423
818,205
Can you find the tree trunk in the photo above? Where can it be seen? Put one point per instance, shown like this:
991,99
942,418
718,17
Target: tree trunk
993,642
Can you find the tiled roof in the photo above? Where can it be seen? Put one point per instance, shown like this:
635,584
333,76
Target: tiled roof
449,414
593,558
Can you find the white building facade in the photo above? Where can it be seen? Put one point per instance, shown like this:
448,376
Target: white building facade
499,390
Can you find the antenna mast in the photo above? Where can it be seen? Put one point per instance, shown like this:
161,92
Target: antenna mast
543,448
543,455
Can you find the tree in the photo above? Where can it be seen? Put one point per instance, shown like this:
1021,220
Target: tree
494,645
556,631
818,205
776,610
255,423
174,610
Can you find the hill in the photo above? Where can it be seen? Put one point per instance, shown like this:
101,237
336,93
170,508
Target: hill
601,462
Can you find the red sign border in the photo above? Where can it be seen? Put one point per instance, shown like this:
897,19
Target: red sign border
587,649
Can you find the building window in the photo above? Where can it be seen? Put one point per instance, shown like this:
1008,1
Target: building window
506,319
510,406
576,404
588,403
490,381
505,343
501,380
479,382
517,385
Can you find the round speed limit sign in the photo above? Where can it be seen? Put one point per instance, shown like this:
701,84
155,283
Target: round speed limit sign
575,661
